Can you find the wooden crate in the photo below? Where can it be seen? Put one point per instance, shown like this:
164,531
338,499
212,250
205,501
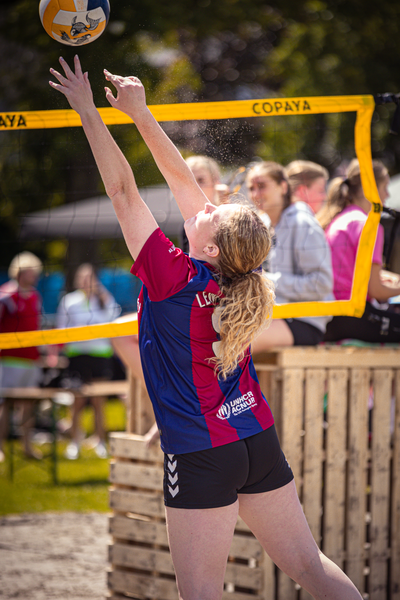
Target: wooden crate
141,565
338,417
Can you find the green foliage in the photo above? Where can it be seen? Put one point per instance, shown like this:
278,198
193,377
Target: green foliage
206,51
83,486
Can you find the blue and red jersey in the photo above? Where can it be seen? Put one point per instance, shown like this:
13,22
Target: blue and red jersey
194,409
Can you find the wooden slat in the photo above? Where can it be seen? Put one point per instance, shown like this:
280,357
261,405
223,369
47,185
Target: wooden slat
292,444
153,532
138,557
326,357
130,404
292,410
141,503
276,404
145,559
247,548
313,450
136,530
241,526
313,454
357,482
130,445
268,567
138,476
104,388
380,483
142,586
244,576
29,393
335,472
395,484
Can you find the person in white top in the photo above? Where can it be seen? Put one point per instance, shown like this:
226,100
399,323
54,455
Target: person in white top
89,304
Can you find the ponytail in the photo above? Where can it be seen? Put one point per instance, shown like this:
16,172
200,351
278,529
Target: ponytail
247,298
338,197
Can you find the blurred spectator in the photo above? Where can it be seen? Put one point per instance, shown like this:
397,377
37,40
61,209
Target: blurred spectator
20,310
343,219
299,263
90,360
307,182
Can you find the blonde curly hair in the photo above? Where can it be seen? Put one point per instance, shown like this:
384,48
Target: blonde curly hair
247,296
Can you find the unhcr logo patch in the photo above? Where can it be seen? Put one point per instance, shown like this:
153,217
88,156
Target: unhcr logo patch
236,407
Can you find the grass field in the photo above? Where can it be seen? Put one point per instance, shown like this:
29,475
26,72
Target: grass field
82,483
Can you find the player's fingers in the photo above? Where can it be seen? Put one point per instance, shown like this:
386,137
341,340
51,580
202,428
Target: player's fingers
110,77
110,96
58,87
58,76
116,80
69,73
77,64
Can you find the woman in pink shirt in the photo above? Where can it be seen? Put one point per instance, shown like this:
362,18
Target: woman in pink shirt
343,219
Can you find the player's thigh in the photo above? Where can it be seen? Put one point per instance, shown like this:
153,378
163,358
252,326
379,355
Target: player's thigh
277,520
199,541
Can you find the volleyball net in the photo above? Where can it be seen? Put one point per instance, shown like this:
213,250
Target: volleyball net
269,111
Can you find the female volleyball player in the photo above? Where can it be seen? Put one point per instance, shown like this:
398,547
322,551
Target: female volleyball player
216,427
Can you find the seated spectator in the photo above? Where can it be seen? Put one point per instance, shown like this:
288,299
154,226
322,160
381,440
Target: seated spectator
208,176
89,304
20,310
307,182
299,262
343,219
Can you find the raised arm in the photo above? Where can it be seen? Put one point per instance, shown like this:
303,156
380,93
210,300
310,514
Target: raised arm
131,99
137,222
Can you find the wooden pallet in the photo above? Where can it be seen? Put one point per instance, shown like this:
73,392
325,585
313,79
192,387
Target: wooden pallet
338,417
140,562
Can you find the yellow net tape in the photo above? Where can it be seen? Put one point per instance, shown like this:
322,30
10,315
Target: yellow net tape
268,107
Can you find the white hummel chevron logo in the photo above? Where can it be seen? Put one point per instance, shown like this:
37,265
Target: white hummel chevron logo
172,466
173,492
173,479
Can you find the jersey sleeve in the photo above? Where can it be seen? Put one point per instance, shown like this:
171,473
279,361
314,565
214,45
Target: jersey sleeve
164,269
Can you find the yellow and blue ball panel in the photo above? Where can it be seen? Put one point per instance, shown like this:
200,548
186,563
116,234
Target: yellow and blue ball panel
74,22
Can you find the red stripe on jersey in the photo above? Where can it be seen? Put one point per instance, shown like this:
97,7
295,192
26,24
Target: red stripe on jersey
260,410
209,392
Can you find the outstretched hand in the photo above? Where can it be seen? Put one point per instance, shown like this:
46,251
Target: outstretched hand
75,86
131,96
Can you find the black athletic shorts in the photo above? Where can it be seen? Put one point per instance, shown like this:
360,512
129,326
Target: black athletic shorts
213,478
304,334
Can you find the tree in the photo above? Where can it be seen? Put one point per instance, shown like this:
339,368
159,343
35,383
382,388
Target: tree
198,51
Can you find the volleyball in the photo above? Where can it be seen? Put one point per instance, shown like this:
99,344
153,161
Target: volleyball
74,22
